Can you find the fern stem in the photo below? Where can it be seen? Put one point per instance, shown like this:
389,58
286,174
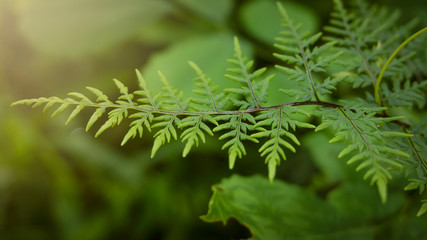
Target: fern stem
355,128
248,80
353,125
375,163
187,113
304,57
308,70
393,55
212,99
253,110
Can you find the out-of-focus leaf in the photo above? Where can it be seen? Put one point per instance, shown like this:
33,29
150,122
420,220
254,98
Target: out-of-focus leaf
361,202
279,211
208,52
166,31
261,18
215,11
77,28
325,156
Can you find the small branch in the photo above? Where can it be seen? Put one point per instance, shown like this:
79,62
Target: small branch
254,110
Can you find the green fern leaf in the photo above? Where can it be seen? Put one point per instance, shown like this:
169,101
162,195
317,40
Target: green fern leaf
195,128
167,124
144,119
115,117
253,87
358,127
211,100
305,60
280,122
239,131
170,97
406,95
146,99
95,116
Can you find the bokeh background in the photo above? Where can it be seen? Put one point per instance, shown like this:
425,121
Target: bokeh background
59,182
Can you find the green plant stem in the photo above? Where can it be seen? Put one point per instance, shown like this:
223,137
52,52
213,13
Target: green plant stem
377,85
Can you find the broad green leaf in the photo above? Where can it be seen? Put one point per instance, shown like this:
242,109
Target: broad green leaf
216,11
261,18
279,211
78,28
360,201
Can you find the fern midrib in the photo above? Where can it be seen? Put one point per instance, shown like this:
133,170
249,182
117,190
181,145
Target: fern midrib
195,128
178,103
368,147
151,100
210,94
279,127
184,113
304,57
248,80
239,122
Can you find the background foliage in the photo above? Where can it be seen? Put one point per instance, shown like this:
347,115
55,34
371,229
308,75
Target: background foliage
57,182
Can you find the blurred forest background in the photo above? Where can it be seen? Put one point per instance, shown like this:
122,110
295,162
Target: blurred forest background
60,182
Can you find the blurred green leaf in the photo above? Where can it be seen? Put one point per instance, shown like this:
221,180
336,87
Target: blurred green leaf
215,11
208,52
261,18
77,28
166,31
325,156
361,202
279,211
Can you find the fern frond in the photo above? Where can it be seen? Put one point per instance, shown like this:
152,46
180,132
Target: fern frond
280,121
115,117
171,98
356,39
211,100
357,125
406,95
147,100
240,125
137,126
195,130
303,60
253,87
415,167
167,124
